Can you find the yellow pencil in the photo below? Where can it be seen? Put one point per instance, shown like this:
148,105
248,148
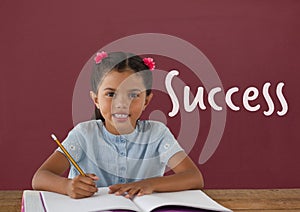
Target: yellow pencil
68,155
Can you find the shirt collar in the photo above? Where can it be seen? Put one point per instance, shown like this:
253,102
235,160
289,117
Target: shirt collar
113,137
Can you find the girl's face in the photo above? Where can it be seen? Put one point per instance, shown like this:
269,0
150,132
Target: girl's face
121,100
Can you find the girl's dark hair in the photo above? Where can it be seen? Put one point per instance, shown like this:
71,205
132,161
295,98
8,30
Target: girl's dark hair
119,61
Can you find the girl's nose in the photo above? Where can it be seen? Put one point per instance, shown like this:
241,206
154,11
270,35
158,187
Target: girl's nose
121,101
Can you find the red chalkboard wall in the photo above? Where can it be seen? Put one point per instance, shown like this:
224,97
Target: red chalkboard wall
252,46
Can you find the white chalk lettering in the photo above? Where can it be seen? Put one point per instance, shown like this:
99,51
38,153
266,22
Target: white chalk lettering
248,97
250,94
229,100
268,99
211,98
198,99
282,100
168,84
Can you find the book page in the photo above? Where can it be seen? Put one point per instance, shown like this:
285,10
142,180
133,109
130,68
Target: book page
100,201
31,201
189,198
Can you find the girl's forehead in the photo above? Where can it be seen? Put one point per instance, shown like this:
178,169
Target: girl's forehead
127,78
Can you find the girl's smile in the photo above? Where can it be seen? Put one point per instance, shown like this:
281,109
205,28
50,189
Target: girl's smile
120,117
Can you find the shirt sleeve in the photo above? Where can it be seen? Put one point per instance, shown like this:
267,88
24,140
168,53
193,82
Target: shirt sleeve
73,145
168,146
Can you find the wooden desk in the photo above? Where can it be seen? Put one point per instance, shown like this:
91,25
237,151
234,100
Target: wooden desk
240,200
10,201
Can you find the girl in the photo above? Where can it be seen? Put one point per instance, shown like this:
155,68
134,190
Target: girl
122,152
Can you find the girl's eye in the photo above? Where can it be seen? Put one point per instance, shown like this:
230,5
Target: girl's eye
111,94
133,95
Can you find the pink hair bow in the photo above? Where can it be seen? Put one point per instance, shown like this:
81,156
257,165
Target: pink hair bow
100,56
149,62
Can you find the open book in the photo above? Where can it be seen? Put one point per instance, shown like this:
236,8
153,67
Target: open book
102,201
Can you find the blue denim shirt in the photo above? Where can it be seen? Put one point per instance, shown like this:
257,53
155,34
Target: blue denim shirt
142,154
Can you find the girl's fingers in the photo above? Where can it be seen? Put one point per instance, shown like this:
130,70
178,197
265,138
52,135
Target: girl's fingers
127,191
141,193
132,192
93,177
80,193
122,190
83,186
88,187
114,188
88,180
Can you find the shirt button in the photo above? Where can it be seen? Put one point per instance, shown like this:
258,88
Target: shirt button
122,153
122,180
72,147
166,146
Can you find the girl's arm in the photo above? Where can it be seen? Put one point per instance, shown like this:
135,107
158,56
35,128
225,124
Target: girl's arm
186,176
48,177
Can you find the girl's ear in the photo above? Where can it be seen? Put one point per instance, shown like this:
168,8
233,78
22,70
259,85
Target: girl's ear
95,99
148,100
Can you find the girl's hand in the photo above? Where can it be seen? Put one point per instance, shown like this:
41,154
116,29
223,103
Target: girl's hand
129,190
80,186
